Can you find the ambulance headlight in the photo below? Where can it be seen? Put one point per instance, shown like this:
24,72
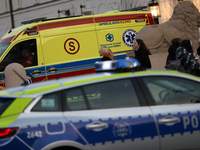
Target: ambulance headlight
118,66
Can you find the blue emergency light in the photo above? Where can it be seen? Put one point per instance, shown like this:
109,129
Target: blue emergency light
118,65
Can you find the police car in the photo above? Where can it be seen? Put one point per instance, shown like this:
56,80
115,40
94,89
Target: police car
119,107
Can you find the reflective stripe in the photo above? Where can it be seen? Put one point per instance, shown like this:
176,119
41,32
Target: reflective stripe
41,89
28,62
17,106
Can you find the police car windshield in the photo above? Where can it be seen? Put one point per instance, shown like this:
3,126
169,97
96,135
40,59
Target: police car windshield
3,47
4,103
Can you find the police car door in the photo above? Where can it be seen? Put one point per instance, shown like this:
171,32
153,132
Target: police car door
109,115
176,109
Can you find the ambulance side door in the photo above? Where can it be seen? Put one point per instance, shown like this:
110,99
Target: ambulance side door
69,50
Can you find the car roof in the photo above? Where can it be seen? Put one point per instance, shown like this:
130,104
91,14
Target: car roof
41,88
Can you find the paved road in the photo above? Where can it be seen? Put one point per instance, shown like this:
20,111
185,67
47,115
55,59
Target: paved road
158,61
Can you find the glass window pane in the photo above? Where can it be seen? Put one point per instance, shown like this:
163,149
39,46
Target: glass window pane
24,53
171,90
75,100
48,102
113,94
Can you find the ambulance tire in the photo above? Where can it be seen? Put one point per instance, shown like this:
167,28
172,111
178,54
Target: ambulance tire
65,148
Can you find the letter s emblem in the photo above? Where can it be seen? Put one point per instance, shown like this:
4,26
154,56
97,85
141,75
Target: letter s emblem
72,47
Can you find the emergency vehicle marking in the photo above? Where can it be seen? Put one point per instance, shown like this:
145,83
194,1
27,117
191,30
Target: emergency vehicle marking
90,20
118,129
121,129
120,125
68,69
9,39
119,17
65,23
111,45
114,22
72,68
189,122
28,80
128,37
18,35
109,37
71,46
34,134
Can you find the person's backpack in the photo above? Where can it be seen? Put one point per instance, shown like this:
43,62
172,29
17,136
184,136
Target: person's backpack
176,64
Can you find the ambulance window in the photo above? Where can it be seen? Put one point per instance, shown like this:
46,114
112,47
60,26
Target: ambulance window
24,53
171,90
3,47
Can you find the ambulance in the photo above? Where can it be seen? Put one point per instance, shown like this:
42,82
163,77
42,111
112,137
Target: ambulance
70,46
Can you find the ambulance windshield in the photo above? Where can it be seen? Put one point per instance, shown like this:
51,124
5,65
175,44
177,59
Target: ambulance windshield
3,47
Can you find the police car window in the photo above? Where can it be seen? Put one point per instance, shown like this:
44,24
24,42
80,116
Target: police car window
171,90
75,100
112,94
48,102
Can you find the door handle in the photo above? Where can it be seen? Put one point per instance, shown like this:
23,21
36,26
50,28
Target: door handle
52,69
169,120
96,126
37,72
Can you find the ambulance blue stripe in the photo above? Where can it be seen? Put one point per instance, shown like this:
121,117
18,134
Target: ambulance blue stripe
77,65
66,67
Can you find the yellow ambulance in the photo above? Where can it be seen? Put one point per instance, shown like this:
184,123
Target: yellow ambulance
69,46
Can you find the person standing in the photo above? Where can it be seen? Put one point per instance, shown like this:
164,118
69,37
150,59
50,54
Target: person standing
106,54
186,54
176,42
142,53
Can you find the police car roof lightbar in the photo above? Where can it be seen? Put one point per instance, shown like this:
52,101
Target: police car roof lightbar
118,66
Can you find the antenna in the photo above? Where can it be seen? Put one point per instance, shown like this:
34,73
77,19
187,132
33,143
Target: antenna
35,79
25,83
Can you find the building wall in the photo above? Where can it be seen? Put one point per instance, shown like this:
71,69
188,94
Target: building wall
24,10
